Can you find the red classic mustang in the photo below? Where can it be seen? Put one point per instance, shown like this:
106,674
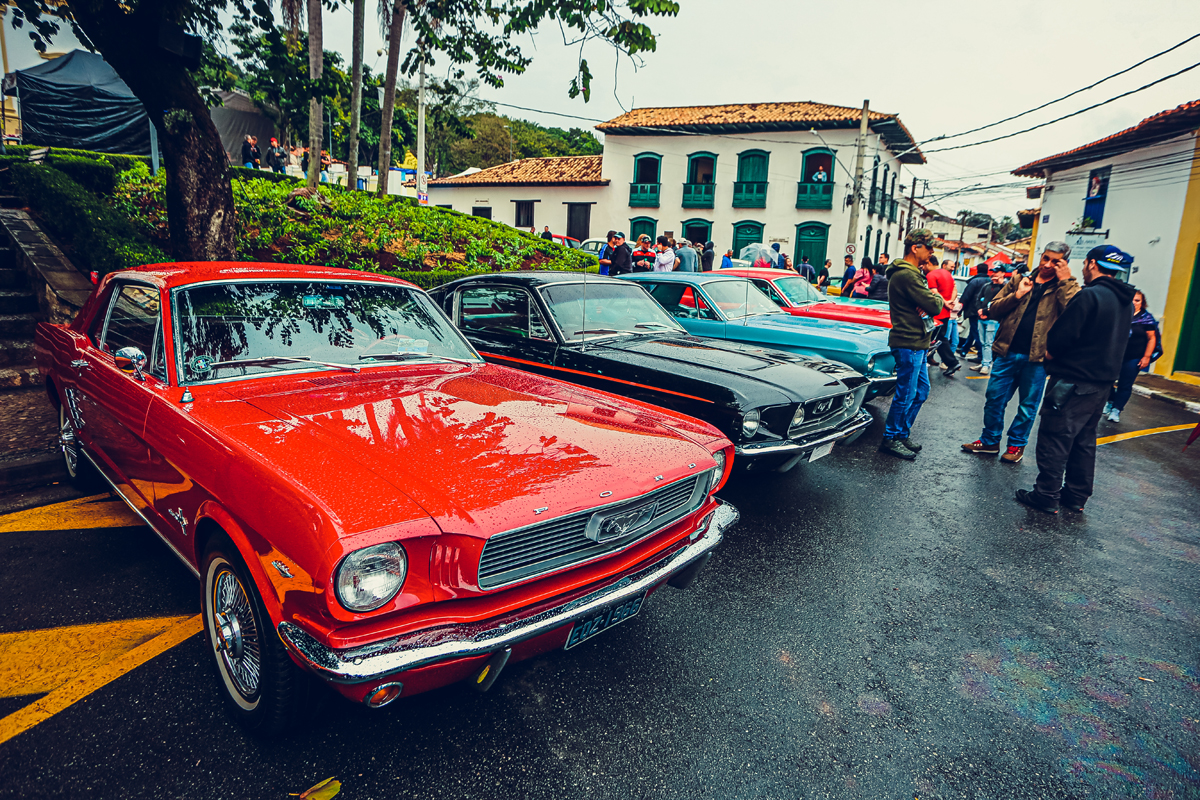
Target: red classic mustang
362,497
800,298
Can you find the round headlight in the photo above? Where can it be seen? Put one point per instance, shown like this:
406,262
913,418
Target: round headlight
369,578
750,423
797,418
871,364
719,457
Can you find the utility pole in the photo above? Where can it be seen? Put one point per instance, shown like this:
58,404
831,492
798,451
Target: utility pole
962,229
422,184
852,233
912,199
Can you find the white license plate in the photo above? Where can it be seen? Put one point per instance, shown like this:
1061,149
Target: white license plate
821,452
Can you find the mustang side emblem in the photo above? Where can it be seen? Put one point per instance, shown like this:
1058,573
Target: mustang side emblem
177,515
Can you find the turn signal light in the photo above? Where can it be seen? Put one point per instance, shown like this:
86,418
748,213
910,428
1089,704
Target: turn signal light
383,695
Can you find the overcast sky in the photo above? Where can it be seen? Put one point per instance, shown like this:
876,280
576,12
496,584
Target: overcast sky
979,63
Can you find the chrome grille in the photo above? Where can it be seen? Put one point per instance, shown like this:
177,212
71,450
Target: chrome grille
554,544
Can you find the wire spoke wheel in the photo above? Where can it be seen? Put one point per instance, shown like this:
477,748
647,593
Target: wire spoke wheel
68,441
235,633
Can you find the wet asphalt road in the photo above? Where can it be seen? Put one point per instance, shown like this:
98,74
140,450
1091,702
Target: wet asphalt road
871,629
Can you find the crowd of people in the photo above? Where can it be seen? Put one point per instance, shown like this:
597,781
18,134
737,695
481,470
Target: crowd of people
1043,337
277,158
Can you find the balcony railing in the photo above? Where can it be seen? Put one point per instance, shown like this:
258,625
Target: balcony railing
750,194
894,205
698,195
644,195
874,202
814,195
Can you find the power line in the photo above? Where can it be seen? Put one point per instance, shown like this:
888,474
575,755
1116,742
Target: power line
1068,116
1072,94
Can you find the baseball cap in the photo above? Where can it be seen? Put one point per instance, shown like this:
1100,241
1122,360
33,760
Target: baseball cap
1111,258
997,266
921,236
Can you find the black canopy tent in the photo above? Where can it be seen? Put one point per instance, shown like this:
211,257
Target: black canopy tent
78,101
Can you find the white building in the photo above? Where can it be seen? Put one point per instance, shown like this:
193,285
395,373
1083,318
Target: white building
1138,189
734,174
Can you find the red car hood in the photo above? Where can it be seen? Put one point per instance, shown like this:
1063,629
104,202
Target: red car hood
480,449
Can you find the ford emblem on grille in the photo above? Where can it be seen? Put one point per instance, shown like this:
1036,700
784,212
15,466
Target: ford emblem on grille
621,524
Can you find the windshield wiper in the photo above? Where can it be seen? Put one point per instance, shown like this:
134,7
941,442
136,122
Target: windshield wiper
600,330
655,325
414,357
270,361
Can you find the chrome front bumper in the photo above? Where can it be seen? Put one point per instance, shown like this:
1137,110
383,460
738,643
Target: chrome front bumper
390,656
799,447
880,387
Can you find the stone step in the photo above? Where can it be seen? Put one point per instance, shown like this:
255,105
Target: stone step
17,302
12,278
18,325
14,378
16,353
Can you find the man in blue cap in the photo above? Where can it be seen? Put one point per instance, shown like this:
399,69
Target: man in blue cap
1084,350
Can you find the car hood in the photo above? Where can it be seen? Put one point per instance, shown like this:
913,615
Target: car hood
479,449
755,376
864,338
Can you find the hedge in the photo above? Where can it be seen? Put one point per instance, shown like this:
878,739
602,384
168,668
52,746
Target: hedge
98,237
119,161
95,175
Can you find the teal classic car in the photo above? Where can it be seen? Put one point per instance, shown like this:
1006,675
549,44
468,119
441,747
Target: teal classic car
721,306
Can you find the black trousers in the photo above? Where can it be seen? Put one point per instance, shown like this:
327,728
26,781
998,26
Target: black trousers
944,350
1066,446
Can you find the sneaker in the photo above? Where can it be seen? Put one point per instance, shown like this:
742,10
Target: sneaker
985,370
951,370
1069,503
975,367
979,448
911,445
1107,409
1035,500
1114,415
895,447
1013,455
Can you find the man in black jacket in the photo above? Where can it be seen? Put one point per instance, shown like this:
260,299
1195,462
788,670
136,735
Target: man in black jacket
620,256
1084,350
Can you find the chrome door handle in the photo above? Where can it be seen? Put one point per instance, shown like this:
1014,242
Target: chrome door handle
81,363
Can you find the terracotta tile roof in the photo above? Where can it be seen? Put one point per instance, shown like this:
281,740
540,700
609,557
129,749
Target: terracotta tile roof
1151,130
761,117
560,171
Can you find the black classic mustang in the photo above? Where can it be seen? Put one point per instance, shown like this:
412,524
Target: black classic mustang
776,407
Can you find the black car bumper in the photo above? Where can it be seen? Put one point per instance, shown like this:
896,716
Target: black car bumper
797,448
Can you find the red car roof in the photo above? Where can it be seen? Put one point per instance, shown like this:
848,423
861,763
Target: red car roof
169,276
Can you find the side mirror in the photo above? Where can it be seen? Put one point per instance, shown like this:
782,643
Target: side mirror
131,360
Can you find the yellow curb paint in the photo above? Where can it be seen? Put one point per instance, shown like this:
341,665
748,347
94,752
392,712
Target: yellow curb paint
33,662
977,377
99,511
1121,437
83,685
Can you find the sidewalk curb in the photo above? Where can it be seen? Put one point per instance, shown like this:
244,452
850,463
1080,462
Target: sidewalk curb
1167,397
40,470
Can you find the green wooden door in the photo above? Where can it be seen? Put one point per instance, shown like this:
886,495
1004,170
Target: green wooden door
745,233
1187,352
642,225
812,239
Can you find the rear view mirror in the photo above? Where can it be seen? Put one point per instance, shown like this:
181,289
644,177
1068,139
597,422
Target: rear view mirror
131,360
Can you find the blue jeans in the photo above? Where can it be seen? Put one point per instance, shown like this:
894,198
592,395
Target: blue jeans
952,333
972,336
912,388
1129,372
1011,373
987,335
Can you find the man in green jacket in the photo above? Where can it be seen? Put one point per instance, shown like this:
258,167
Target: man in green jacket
913,306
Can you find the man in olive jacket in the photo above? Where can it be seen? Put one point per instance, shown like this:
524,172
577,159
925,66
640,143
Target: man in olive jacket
913,306
1026,308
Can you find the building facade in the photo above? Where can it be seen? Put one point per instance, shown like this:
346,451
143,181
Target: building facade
734,175
1138,189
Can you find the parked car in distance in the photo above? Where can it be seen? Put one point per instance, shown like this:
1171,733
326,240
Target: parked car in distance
795,295
777,407
566,241
363,498
719,305
593,246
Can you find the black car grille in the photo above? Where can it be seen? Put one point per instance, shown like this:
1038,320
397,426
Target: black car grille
557,543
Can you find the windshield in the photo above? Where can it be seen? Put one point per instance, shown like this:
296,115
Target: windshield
612,308
740,298
298,325
798,290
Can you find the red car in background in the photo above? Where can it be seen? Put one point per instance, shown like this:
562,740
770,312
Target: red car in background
800,298
364,500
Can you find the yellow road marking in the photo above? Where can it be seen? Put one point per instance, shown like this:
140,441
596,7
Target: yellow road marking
99,511
83,685
977,377
32,662
1120,437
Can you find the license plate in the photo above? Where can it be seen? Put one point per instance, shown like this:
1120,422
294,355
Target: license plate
821,452
585,629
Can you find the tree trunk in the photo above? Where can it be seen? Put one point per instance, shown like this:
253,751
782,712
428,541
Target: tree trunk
395,30
200,214
356,58
316,108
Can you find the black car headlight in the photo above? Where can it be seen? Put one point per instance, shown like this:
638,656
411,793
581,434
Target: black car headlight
797,420
369,578
750,423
